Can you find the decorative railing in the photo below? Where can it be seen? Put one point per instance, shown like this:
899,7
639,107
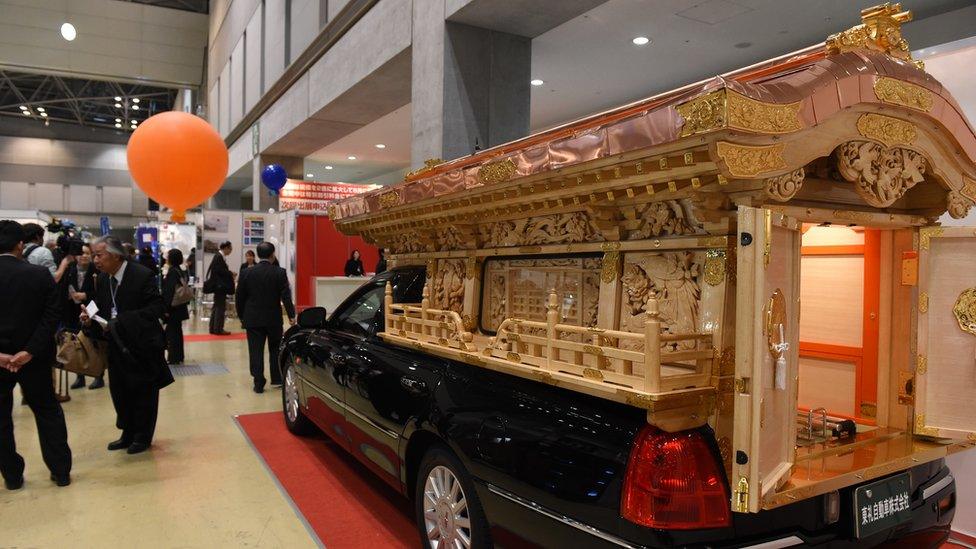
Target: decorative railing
425,324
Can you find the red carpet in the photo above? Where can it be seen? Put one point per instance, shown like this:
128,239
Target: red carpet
195,338
343,502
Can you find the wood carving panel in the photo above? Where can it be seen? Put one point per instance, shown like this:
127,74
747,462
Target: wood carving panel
674,280
447,285
405,242
665,218
547,229
881,175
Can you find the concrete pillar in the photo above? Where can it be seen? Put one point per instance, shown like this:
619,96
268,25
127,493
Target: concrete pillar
470,86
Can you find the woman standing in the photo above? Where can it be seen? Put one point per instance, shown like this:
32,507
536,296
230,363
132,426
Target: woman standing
81,290
174,316
354,267
249,261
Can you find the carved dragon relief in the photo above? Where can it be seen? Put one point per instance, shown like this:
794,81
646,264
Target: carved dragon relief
665,218
547,229
673,277
881,175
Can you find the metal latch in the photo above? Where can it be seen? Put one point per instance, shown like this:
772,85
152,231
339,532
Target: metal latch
742,385
740,499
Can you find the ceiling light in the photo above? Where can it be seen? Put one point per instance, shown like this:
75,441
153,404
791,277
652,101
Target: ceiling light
47,122
309,175
351,157
118,105
380,146
44,114
117,125
537,82
118,119
641,41
135,107
135,99
26,113
23,107
40,109
68,32
117,98
328,167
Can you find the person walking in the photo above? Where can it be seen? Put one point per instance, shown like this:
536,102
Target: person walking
175,314
36,253
261,292
223,285
31,309
131,307
354,266
81,290
249,261
381,263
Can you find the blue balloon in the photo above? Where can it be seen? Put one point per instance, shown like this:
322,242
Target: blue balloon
274,177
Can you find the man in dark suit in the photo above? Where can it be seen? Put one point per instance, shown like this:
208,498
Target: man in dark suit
223,285
261,292
30,305
129,302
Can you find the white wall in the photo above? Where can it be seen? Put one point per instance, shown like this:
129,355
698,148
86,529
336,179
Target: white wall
115,39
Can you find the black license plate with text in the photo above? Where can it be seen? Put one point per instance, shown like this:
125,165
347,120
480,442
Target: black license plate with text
882,505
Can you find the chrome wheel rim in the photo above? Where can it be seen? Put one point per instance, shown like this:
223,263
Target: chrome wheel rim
446,518
291,396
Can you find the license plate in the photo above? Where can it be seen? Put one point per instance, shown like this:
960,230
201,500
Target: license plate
882,505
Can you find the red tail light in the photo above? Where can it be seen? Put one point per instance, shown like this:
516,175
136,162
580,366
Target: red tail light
673,482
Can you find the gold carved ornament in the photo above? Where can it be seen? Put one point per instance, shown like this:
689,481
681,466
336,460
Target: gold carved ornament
714,267
497,172
923,303
611,262
888,130
879,31
896,92
429,165
965,311
881,175
748,161
925,235
389,199
921,365
729,109
958,205
785,187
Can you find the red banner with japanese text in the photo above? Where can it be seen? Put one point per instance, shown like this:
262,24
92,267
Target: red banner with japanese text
314,196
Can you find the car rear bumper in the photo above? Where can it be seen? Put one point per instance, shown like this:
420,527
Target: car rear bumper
518,522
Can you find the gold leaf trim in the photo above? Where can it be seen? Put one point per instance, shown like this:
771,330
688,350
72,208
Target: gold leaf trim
757,116
514,357
748,161
497,172
703,114
896,92
389,199
611,266
965,311
593,350
925,235
886,129
592,373
921,429
921,365
880,30
923,303
968,188
429,165
714,267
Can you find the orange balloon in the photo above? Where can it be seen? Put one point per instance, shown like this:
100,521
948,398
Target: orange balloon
178,160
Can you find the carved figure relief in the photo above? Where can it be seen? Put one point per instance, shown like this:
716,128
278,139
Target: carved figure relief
666,218
786,186
447,288
881,175
547,229
450,238
673,278
958,205
405,242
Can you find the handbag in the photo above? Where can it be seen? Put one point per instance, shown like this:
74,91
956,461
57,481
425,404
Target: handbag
81,354
183,293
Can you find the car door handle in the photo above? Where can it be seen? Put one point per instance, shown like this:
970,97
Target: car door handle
414,386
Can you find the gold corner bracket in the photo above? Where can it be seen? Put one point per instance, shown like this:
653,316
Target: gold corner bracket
880,30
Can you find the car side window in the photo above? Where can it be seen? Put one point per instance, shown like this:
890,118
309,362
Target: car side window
359,318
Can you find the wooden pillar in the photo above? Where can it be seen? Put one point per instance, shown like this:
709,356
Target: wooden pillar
552,318
652,346
608,316
388,309
472,291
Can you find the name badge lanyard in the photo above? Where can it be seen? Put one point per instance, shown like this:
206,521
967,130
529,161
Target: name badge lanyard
114,288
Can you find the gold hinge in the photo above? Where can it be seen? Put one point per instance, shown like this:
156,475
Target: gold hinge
740,500
768,240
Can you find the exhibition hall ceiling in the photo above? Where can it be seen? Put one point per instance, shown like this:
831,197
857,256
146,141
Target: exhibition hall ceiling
392,131
197,6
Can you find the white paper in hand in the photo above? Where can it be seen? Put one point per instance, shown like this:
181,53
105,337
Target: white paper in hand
91,309
101,321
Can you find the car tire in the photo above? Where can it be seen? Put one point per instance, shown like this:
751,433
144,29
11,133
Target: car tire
457,513
291,406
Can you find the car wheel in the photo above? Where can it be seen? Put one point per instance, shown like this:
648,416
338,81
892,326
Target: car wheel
295,420
449,514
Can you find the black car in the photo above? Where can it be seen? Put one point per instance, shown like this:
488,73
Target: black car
496,460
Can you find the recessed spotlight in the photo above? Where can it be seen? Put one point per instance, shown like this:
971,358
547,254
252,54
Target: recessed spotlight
328,167
351,157
309,175
68,32
26,113
40,109
118,119
117,98
135,107
118,105
380,146
117,125
641,41
135,99
23,107
44,114
537,82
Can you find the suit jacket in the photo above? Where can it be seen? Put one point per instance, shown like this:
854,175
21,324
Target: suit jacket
70,309
174,279
30,308
139,304
261,291
220,271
